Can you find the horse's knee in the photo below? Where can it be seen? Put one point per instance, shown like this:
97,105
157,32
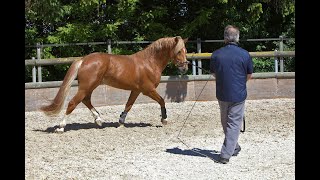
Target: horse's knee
162,103
75,101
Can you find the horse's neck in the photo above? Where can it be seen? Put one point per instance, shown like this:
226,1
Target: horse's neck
159,58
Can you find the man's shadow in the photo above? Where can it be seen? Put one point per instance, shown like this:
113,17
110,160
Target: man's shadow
212,154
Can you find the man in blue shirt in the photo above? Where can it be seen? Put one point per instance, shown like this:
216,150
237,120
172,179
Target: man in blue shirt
232,66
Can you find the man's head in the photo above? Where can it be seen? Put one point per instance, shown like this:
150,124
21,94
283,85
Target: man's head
231,34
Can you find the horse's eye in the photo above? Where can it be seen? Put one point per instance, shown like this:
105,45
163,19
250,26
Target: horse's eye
179,52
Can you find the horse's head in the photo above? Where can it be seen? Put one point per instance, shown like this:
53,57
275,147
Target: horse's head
180,55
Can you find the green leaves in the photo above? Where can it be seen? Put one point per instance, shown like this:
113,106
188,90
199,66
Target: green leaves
71,33
255,10
60,21
86,3
203,18
263,65
44,10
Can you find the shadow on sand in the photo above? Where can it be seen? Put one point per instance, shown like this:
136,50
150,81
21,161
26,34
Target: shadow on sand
212,154
78,126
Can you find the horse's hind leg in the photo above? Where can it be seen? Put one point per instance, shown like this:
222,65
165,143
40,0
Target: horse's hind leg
155,96
132,98
95,113
71,106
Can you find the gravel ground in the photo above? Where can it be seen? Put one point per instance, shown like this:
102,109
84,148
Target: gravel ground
145,149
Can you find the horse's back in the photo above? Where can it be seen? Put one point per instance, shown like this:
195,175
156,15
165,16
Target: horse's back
129,72
115,70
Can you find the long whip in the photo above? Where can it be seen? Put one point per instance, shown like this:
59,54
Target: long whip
188,117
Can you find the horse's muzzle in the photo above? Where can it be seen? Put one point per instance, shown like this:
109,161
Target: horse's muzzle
183,67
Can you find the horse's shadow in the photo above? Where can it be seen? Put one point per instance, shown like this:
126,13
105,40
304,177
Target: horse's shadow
212,154
78,126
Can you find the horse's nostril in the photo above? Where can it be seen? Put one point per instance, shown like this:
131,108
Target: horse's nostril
183,70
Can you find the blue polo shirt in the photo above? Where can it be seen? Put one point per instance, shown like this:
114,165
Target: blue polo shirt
231,64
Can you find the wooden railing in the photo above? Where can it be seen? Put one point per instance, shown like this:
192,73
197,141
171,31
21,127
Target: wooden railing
37,63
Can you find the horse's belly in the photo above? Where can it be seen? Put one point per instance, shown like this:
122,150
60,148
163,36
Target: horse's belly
120,84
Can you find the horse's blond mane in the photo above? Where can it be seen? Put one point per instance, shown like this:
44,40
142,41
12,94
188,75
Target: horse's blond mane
165,43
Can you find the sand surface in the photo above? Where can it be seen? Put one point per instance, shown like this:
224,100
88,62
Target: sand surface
145,149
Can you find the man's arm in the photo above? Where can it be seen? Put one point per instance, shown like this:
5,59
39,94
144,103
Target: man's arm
249,67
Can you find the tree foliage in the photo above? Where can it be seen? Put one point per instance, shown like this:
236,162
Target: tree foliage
72,21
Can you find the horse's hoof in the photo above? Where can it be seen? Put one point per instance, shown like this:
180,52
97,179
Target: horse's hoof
59,130
120,124
98,122
164,121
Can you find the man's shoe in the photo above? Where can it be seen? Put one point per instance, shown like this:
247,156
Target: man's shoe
236,151
222,160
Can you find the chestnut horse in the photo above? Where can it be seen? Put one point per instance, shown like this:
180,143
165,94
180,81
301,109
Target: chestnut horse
139,73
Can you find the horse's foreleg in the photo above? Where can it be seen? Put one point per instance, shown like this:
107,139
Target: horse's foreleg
132,98
95,113
155,96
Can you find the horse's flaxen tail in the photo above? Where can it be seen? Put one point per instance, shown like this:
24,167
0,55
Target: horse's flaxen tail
56,105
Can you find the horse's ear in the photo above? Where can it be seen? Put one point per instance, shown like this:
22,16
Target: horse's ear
177,38
185,40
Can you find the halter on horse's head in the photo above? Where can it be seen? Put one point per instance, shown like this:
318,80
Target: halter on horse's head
180,55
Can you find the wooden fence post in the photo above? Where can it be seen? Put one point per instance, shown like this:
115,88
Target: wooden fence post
39,67
109,46
34,72
275,62
199,60
194,70
281,49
